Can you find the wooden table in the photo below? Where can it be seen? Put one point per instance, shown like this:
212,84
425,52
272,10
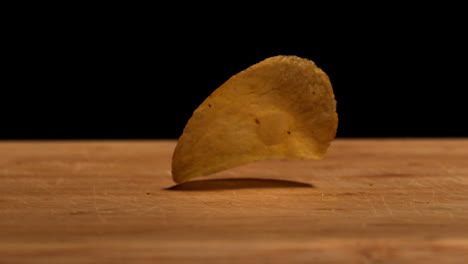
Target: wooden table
368,201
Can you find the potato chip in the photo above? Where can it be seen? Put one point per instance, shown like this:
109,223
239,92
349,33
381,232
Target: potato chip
280,108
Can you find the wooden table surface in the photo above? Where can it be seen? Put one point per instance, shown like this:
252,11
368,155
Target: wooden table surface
368,201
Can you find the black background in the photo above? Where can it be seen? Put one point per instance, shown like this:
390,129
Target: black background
140,74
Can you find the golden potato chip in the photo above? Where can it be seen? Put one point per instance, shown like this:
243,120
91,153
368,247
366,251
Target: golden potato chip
280,108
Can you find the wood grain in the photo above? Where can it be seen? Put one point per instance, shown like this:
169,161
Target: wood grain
368,201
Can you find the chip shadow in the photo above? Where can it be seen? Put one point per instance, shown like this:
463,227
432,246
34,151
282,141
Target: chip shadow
236,183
